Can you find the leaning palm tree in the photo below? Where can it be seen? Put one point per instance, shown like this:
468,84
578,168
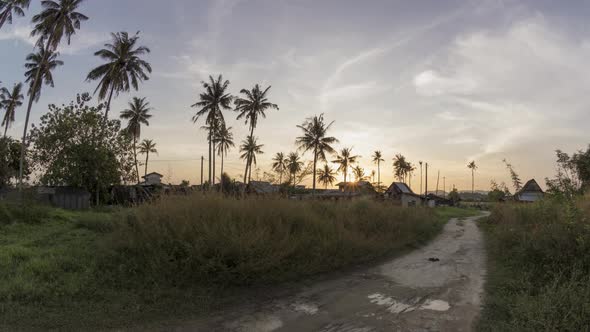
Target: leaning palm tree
211,103
124,68
294,166
250,148
10,101
345,159
224,139
137,114
58,20
146,147
315,138
377,159
326,176
251,106
10,7
279,165
473,167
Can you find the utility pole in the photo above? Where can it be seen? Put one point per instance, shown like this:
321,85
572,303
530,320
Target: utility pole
202,162
437,182
421,177
426,180
444,187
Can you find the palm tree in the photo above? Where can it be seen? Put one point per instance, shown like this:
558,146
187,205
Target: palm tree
254,104
124,69
10,7
345,159
58,20
279,165
211,103
326,176
359,173
473,167
377,159
314,138
224,139
400,166
250,149
10,101
146,147
137,114
294,165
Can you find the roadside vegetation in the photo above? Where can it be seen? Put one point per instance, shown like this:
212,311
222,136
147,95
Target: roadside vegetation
183,255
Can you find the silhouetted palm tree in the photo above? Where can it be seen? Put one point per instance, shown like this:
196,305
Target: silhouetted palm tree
252,105
345,159
224,139
400,166
326,176
250,148
211,103
294,165
10,101
146,147
137,114
377,159
10,7
314,138
473,167
359,173
124,68
279,165
57,20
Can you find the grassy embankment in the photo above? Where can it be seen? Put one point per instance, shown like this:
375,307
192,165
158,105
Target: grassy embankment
98,270
539,268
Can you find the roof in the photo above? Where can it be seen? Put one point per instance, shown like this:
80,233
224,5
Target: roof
153,173
356,184
260,187
400,188
531,187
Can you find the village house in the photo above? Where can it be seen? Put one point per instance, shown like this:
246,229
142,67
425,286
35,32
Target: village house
152,179
262,188
403,195
530,192
361,187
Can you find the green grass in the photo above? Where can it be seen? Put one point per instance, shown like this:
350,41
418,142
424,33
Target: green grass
539,268
183,256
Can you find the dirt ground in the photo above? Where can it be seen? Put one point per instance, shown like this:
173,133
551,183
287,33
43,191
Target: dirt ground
436,288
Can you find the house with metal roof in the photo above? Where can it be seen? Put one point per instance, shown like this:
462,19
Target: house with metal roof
402,194
530,192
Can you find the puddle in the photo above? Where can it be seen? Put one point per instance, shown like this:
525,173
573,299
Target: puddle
257,323
397,307
435,305
305,308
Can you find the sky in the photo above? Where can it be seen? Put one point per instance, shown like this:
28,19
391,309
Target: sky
444,82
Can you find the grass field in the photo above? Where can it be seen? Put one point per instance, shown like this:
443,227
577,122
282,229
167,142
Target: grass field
92,270
539,267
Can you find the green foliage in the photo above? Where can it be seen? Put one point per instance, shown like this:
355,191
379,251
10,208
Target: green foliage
573,175
9,161
73,146
539,266
11,213
455,196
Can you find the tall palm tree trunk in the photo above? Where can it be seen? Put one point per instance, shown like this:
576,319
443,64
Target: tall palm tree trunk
147,157
214,165
5,128
106,113
315,160
246,172
472,182
135,157
221,174
250,172
210,136
379,175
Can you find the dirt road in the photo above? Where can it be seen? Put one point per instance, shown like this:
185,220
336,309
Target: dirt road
436,288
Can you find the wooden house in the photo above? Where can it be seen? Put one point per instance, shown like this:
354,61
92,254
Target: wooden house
403,195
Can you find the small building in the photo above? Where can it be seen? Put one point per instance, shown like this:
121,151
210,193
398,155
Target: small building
262,188
70,198
361,187
152,179
530,192
402,194
435,200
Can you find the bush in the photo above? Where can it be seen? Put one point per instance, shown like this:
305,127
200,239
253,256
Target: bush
27,213
96,222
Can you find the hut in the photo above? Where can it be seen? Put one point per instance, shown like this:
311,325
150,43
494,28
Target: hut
402,194
361,187
530,192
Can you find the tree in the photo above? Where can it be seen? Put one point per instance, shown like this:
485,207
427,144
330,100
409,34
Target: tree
294,165
454,196
10,7
9,161
473,167
10,101
57,20
401,167
344,160
498,192
253,105
516,182
137,114
72,146
315,139
326,176
224,139
377,159
124,68
359,173
279,165
211,103
250,148
146,147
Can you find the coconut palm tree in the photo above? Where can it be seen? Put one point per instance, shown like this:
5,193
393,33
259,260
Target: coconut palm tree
250,148
473,167
10,7
294,166
124,68
10,101
279,165
224,139
326,176
251,106
58,20
359,173
315,138
377,159
137,114
345,159
400,166
146,147
211,104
